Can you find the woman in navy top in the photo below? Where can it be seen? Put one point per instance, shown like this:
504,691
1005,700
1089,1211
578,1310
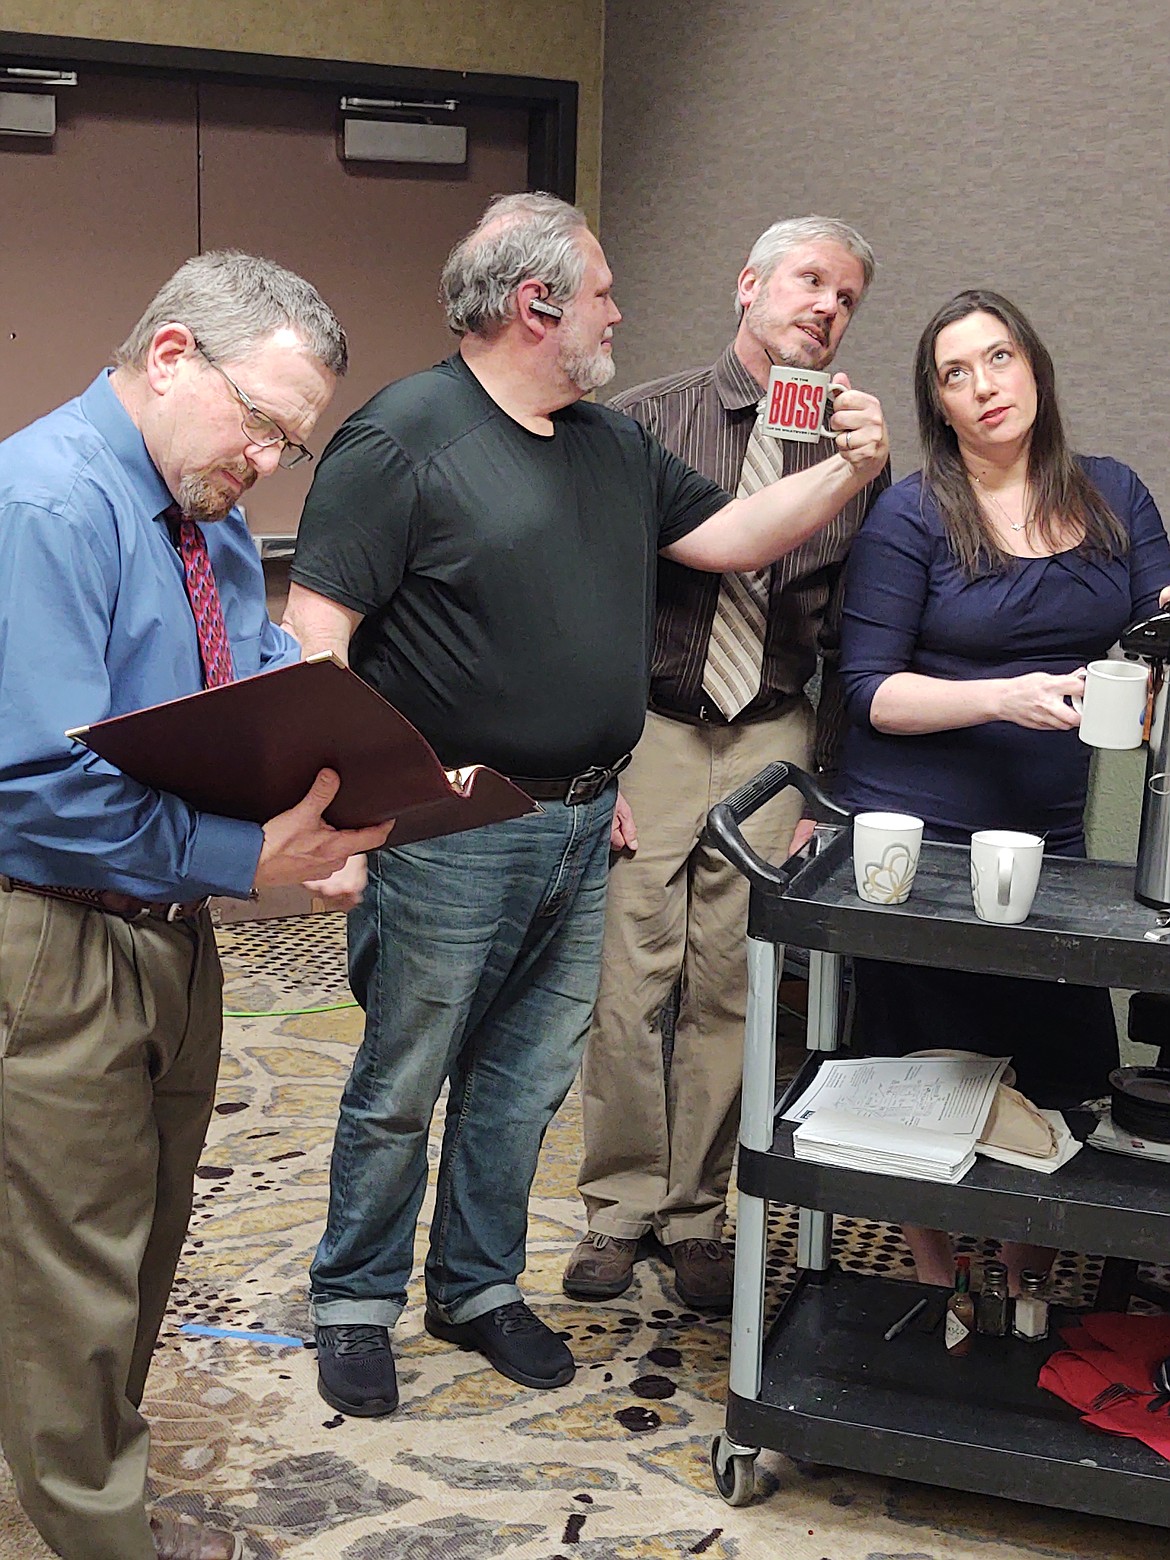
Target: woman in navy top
977,591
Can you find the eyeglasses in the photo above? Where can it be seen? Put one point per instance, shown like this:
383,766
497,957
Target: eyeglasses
258,427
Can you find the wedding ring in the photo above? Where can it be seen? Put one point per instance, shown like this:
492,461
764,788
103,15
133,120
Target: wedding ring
846,438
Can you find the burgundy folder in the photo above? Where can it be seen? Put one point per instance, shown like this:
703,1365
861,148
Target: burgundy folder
251,749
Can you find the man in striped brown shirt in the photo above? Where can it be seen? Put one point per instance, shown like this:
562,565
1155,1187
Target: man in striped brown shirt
658,1141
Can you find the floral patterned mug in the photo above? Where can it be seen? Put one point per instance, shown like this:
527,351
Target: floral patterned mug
885,855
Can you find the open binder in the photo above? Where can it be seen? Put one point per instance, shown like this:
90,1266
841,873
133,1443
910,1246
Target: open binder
251,749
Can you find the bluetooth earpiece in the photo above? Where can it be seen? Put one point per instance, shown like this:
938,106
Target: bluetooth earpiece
542,306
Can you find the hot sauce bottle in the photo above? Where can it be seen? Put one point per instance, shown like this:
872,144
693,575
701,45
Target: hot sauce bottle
960,1322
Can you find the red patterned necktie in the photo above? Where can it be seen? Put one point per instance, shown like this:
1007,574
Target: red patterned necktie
214,650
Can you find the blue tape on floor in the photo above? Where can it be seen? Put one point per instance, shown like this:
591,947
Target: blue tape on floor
276,1339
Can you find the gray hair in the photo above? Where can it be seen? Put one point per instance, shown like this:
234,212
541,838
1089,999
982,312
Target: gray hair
231,303
783,237
517,238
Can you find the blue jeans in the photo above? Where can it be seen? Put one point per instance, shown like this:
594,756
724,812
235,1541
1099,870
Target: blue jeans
476,958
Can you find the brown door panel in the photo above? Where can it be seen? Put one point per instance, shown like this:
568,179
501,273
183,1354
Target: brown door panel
93,222
371,236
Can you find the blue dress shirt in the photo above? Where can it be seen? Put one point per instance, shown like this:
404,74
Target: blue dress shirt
94,622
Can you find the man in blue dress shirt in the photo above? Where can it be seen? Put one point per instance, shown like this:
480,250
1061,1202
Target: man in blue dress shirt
110,1009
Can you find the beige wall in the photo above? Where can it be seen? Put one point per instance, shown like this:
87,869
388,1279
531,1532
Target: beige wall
560,39
1022,147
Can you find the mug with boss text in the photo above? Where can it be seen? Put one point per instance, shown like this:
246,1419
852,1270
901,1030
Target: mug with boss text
798,404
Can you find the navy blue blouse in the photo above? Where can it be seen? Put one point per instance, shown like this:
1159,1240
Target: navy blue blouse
909,607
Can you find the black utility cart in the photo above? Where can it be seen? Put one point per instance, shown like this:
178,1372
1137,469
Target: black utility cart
823,1385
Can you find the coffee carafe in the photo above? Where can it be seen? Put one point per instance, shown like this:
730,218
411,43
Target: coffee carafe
1150,640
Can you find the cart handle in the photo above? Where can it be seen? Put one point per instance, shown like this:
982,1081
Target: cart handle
723,821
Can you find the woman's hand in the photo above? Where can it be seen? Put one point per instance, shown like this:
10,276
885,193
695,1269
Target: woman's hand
1037,700
1164,595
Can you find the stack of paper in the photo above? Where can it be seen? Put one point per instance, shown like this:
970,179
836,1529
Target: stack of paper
830,1137
918,1117
1113,1139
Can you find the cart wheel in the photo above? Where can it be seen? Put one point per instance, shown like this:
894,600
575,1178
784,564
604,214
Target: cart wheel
736,1478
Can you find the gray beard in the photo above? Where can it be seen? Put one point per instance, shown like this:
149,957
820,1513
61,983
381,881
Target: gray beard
587,370
760,318
200,499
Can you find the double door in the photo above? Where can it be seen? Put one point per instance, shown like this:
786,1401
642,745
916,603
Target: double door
145,170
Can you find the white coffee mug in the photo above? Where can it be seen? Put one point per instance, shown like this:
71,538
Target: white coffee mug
885,855
1114,704
798,404
1005,868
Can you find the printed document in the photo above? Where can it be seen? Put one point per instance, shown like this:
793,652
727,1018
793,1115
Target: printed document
942,1094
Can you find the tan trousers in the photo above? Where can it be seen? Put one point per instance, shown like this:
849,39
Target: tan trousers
658,1149
109,1048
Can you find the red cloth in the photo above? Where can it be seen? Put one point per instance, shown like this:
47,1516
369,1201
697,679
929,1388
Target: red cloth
1107,1373
214,648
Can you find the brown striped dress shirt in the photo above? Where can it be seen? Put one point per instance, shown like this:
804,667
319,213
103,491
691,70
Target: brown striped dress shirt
705,416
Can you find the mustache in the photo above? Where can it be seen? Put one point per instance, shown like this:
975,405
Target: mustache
821,329
246,474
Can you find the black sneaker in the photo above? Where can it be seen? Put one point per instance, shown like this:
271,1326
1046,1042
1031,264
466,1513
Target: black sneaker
355,1369
514,1341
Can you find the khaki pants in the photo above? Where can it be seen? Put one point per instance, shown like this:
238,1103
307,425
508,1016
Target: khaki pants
109,1048
658,1150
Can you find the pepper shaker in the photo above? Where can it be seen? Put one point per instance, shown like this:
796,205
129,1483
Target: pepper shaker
994,1304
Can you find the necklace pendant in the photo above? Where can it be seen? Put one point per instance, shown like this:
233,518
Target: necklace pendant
987,498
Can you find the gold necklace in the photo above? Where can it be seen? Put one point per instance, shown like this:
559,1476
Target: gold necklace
991,499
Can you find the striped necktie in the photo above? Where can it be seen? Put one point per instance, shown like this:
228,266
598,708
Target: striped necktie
735,650
215,652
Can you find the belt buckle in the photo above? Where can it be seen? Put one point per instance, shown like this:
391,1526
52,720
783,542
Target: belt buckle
589,784
583,788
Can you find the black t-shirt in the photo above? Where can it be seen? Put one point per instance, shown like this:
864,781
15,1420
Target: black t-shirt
506,579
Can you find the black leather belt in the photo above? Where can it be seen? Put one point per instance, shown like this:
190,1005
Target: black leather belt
709,715
577,790
113,903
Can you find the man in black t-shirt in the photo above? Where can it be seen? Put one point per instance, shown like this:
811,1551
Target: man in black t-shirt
487,540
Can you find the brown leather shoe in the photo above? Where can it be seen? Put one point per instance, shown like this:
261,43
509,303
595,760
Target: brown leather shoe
703,1272
601,1267
178,1538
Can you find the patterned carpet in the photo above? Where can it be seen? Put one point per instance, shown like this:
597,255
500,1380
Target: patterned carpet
614,1467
